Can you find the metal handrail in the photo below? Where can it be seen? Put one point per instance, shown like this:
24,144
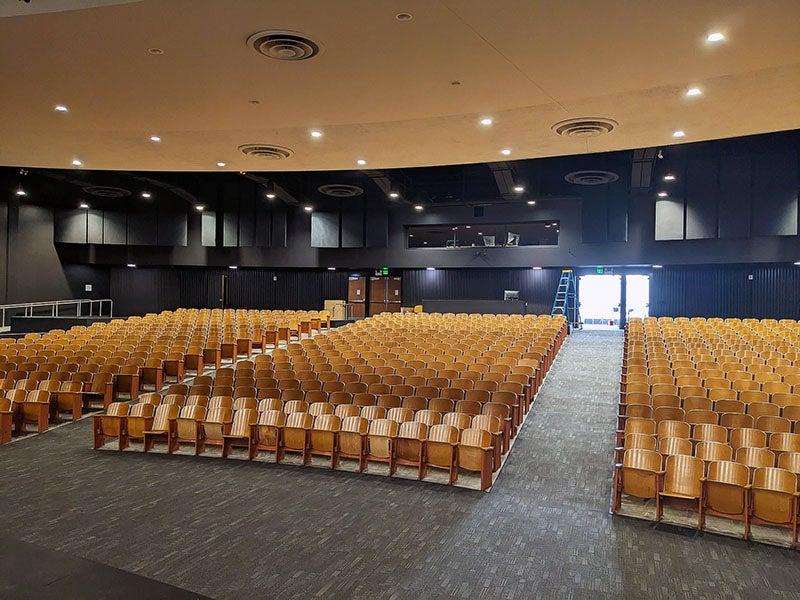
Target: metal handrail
56,308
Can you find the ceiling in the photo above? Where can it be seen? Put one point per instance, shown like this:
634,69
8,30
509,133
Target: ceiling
383,89
619,174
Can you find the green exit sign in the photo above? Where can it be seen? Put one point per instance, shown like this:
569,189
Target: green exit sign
600,270
384,270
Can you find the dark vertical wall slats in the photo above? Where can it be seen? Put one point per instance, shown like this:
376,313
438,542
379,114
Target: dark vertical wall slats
726,291
536,287
138,291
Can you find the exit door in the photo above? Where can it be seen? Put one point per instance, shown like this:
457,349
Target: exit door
599,299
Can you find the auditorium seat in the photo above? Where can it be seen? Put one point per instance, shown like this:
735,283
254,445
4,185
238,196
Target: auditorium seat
475,453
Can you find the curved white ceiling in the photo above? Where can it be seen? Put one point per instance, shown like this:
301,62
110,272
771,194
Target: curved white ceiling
381,89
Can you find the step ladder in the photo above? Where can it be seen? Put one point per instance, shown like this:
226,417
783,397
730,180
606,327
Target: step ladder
566,299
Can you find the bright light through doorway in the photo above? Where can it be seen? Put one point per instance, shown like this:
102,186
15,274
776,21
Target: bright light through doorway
599,297
637,295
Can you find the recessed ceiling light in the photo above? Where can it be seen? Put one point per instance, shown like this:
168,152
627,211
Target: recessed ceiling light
155,138
715,36
679,133
662,194
430,268
536,268
331,268
403,16
21,192
487,121
83,205
131,265
669,177
418,207
410,235
60,108
480,233
308,208
155,51
77,163
796,264
519,189
505,151
316,133
531,202
467,226
658,266
271,195
394,195
694,92
361,162
199,207
425,242
547,225
234,267
146,195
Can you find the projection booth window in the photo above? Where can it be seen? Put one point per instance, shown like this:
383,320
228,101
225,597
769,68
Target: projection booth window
503,235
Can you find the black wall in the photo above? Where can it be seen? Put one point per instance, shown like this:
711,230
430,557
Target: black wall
536,287
143,290
757,291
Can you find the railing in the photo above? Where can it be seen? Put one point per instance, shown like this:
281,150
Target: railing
57,308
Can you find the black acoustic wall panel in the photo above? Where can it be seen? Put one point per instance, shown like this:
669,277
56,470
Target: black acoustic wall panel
94,226
617,216
115,227
536,287
353,223
377,226
734,196
669,219
173,227
324,229
247,218
775,186
143,227
594,218
701,191
754,291
263,225
278,228
70,226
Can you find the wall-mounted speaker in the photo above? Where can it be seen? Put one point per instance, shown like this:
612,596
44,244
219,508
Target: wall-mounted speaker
477,211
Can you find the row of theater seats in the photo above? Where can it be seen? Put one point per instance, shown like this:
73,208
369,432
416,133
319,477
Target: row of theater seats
357,383
77,369
708,419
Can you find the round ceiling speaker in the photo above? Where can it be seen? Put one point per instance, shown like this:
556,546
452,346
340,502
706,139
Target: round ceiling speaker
584,127
340,190
268,151
591,177
105,191
283,45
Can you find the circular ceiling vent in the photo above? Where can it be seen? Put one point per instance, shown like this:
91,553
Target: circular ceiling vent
340,190
268,151
104,191
591,177
283,45
585,127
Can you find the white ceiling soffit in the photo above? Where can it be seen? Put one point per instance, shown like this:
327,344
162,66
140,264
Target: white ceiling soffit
244,82
18,8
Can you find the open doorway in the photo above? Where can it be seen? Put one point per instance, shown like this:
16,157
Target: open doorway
599,298
637,296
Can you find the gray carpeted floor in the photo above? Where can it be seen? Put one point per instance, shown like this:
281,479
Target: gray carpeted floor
233,529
